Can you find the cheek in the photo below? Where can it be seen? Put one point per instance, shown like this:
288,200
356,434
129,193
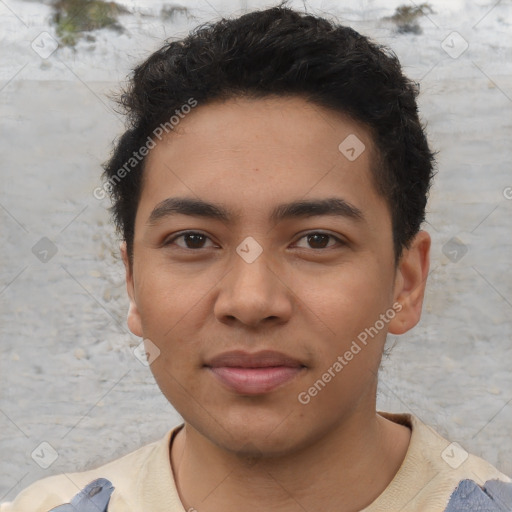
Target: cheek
346,299
166,295
349,353
173,307
349,302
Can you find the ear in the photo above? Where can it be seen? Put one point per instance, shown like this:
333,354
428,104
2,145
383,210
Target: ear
133,319
410,281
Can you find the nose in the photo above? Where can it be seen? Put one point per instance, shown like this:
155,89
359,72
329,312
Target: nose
254,294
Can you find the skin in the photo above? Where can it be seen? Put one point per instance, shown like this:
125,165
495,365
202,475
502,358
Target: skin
308,299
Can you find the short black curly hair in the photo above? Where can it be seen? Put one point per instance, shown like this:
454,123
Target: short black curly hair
284,52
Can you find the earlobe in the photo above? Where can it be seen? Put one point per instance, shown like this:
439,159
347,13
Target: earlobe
133,317
410,282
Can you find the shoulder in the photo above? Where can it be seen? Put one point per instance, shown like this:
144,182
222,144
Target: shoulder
448,460
124,473
437,474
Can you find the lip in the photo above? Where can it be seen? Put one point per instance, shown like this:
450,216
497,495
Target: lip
256,373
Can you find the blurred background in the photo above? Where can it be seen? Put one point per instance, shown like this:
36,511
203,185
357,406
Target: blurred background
74,392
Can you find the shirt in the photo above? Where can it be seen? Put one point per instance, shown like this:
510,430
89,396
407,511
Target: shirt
435,476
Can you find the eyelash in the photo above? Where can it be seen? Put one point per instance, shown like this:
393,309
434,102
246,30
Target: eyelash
185,233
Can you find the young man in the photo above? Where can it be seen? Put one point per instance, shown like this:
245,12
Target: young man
270,192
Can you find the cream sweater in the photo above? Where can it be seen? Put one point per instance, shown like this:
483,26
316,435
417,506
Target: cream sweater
144,482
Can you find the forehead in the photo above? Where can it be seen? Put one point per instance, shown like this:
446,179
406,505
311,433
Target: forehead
254,152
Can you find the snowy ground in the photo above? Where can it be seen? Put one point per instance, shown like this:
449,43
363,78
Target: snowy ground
68,373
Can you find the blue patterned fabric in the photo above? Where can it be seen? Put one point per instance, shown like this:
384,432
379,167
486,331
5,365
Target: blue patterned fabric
94,497
495,496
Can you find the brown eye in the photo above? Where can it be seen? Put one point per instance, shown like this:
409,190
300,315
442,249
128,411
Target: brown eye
192,240
318,240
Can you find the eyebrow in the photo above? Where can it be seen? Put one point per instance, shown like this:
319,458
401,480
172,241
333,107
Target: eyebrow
331,206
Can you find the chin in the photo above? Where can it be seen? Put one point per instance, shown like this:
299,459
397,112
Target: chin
258,434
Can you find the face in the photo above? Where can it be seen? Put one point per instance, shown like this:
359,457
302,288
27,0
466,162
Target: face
277,259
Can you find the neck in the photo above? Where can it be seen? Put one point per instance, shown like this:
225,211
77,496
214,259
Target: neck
345,470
